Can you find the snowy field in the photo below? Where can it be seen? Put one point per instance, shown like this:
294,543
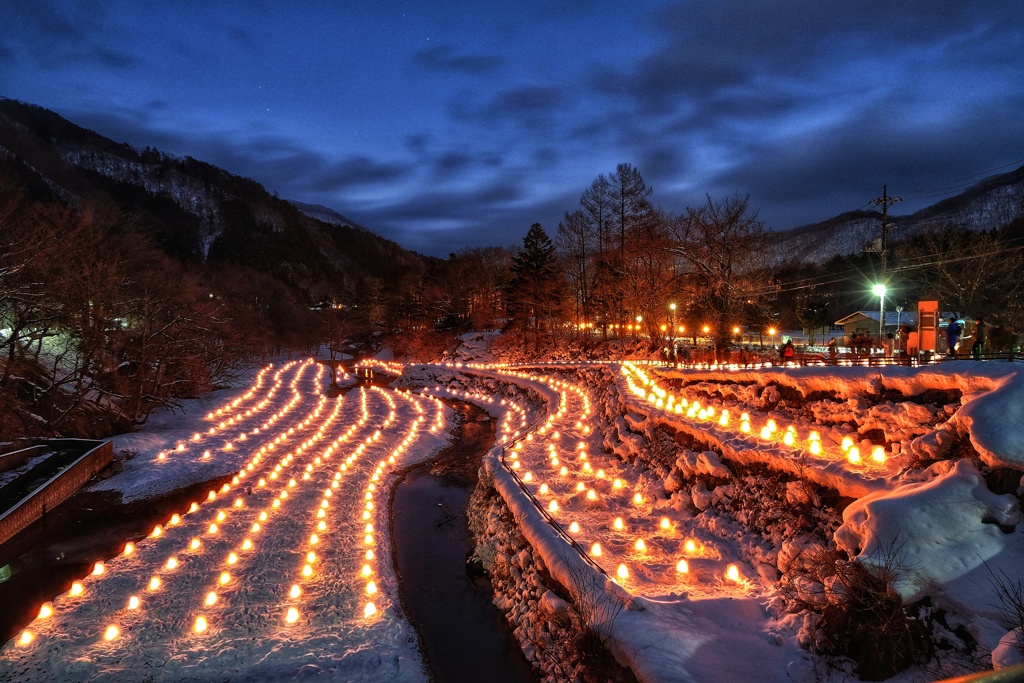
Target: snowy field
284,572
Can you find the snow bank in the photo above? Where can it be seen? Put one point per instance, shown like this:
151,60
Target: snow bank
937,534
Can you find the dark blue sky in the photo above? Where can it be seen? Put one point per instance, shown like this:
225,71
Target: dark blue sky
444,125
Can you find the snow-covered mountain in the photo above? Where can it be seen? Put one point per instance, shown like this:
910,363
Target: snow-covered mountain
988,205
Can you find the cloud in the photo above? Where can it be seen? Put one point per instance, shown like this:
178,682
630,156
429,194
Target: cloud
61,35
278,163
446,58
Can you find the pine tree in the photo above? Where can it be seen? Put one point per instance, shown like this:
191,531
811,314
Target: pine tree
535,292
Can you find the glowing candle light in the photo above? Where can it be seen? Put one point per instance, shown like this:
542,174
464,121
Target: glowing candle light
766,433
878,454
157,530
224,578
200,625
553,506
640,545
172,562
371,588
732,572
665,524
134,602
618,524
682,567
369,610
292,616
98,569
745,427
637,498
45,610
690,545
211,599
247,544
617,484
154,583
622,572
295,591
111,633
815,448
853,455
232,558
595,550
847,443
77,588
307,570
25,638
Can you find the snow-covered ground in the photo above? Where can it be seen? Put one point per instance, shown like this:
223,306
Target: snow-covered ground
605,469
697,592
283,572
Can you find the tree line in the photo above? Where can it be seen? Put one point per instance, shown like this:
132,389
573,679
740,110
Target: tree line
619,267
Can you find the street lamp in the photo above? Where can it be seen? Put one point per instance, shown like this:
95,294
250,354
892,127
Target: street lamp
672,320
639,319
879,291
771,331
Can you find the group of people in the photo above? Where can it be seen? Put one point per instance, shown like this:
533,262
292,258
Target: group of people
954,333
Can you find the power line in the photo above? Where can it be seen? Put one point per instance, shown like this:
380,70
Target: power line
943,186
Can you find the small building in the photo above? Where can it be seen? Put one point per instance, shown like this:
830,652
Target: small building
866,322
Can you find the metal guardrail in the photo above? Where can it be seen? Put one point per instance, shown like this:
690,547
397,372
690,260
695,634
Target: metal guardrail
815,359
548,517
540,506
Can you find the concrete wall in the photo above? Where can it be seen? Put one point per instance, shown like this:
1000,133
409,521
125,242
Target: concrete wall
8,461
56,491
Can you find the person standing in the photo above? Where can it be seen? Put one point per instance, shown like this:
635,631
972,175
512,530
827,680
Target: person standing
952,337
979,340
887,344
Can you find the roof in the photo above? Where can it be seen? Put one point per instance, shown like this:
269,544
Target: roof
892,318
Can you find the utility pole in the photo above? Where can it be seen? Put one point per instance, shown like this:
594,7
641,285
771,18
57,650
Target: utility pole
885,201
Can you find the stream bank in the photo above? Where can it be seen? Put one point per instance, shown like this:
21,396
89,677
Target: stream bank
463,636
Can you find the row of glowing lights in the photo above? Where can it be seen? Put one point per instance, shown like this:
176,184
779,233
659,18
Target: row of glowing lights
280,498
649,391
321,527
367,571
134,602
389,367
691,546
234,421
201,623
508,428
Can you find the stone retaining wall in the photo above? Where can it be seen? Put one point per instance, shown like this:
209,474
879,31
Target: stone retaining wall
547,625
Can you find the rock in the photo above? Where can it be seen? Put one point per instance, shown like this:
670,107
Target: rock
1007,653
552,604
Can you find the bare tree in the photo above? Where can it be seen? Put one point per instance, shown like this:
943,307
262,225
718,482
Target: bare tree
722,244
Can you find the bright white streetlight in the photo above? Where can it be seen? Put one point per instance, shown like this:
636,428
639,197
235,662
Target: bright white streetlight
879,291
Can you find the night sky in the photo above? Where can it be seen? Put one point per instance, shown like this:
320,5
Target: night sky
456,124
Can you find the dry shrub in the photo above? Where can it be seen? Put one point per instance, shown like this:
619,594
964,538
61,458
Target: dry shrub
861,616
